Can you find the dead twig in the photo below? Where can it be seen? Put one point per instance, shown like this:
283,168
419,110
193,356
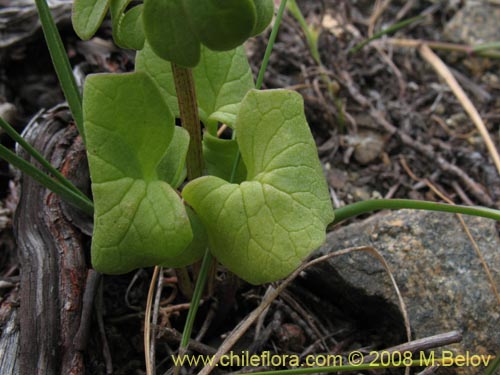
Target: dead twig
378,10
106,352
425,150
147,323
419,345
173,336
443,46
462,97
91,288
156,308
272,293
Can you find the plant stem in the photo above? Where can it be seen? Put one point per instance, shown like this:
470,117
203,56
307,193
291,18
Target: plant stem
188,106
270,44
363,207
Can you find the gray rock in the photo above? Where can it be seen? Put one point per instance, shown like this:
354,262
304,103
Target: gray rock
475,23
436,268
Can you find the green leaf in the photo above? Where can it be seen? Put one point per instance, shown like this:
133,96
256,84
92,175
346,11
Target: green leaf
127,25
265,13
131,31
194,252
168,32
139,219
87,16
160,70
219,157
171,168
221,25
222,80
263,228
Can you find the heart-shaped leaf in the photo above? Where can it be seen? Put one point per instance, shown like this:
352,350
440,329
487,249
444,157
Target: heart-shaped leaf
221,25
139,219
168,32
264,227
87,16
222,80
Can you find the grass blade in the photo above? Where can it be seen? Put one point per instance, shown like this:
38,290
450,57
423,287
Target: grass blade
312,40
495,365
486,46
388,30
195,301
270,44
359,208
333,369
37,156
61,63
64,192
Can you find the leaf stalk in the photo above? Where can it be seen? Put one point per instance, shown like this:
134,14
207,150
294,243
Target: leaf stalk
358,208
188,107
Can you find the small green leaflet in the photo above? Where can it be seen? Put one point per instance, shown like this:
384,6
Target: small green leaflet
139,218
87,16
127,24
264,227
222,80
220,155
128,32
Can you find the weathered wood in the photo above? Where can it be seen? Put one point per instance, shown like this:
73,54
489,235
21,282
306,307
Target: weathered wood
52,255
19,19
9,339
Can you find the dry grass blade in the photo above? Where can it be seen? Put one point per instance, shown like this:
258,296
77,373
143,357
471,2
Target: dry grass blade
402,305
462,97
378,10
147,323
272,293
443,46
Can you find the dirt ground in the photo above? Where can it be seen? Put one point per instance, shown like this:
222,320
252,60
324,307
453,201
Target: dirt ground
382,118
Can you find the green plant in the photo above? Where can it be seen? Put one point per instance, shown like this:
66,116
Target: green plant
137,155
262,204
